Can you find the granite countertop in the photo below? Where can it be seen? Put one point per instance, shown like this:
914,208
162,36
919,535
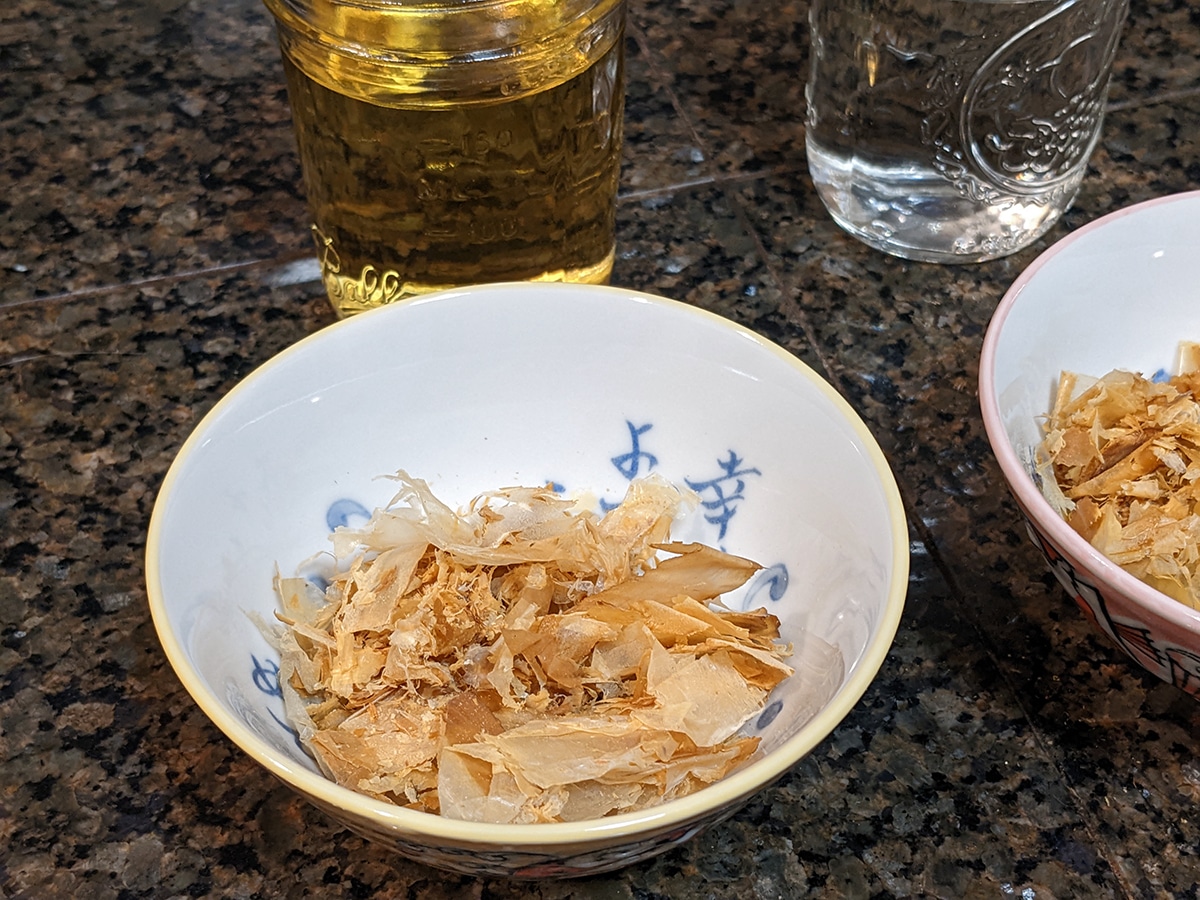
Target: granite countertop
154,249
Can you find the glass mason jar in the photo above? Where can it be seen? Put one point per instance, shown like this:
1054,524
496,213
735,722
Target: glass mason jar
455,142
955,130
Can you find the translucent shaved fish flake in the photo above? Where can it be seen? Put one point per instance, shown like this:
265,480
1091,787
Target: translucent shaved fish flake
1120,461
523,659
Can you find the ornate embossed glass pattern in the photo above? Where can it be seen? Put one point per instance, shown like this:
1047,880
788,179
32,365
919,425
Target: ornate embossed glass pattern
955,130
456,143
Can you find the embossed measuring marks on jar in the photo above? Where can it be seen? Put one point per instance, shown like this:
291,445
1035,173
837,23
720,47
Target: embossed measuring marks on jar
955,130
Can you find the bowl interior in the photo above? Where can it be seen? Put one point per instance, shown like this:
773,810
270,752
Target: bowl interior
528,384
1119,293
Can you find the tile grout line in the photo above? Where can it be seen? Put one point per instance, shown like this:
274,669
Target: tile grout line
292,257
175,278
1165,97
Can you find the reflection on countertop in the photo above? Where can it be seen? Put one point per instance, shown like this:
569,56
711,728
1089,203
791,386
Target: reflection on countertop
154,249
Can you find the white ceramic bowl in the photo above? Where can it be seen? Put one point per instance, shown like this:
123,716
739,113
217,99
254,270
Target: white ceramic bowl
1119,293
481,388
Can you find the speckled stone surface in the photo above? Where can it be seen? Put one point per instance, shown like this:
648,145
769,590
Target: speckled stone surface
152,246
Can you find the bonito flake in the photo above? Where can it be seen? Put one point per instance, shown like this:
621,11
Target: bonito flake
1120,461
521,660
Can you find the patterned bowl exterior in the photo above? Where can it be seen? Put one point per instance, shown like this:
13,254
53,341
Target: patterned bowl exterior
1157,644
586,858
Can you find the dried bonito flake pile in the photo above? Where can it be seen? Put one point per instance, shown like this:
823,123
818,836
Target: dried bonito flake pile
1121,462
524,661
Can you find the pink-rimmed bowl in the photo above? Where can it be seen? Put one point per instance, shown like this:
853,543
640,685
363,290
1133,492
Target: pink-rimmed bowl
1119,293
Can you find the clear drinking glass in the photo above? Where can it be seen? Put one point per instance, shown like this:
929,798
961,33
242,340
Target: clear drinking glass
955,130
449,142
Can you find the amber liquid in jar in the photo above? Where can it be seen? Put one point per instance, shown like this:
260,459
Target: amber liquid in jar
420,196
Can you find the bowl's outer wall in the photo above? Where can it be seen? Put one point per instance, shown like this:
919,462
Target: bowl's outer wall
1119,293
